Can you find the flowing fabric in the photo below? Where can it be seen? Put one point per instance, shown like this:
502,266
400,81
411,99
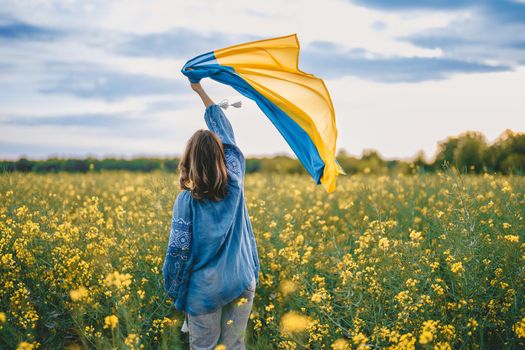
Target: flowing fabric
297,103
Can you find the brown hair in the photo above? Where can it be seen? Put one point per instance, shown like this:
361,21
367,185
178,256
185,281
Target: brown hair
203,167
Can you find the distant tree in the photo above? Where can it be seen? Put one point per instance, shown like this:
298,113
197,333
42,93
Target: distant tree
420,162
7,166
144,164
51,165
23,165
348,162
371,154
514,163
491,158
342,153
468,152
171,165
507,153
371,162
253,165
468,155
445,152
75,165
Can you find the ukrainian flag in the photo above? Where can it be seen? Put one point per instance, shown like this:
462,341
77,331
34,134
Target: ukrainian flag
297,103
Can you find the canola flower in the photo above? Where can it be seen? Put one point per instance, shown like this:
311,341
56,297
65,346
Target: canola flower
242,301
294,322
375,264
287,287
428,331
519,328
27,345
118,280
512,238
111,322
78,294
341,344
457,267
132,341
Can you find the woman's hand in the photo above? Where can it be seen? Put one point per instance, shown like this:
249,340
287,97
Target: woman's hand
197,87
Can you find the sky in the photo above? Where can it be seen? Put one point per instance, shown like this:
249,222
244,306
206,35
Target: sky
102,78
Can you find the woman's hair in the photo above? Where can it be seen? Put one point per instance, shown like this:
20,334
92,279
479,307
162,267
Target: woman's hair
203,167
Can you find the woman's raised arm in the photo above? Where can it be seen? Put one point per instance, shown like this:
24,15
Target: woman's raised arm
214,117
197,87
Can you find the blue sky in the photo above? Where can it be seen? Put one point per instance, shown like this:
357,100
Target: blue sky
103,78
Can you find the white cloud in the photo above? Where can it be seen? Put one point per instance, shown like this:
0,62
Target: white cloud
338,21
400,119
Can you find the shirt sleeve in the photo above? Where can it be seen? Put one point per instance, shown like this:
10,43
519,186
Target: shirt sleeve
178,261
219,124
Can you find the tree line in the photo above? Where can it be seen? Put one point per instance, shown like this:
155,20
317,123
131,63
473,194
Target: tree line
468,152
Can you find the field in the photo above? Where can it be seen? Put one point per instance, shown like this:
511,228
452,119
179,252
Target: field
394,262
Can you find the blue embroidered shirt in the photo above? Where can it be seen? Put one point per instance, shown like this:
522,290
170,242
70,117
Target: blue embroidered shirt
212,255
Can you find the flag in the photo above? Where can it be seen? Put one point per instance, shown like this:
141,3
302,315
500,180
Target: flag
297,103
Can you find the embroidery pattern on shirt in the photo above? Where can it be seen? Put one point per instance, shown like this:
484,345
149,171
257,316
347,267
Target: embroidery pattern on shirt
232,160
178,251
181,233
214,126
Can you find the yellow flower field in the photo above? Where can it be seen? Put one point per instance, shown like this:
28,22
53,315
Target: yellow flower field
393,262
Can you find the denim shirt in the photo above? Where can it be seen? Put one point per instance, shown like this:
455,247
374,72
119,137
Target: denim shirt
212,255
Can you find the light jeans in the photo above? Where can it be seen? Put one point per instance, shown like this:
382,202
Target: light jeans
225,326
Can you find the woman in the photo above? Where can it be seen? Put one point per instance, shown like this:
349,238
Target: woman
212,267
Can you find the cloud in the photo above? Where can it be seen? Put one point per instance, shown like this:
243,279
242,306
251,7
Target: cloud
479,46
178,42
429,40
99,133
336,63
82,64
172,104
505,10
259,14
476,38
413,4
489,31
6,67
14,150
379,26
88,80
339,62
15,30
125,132
88,120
